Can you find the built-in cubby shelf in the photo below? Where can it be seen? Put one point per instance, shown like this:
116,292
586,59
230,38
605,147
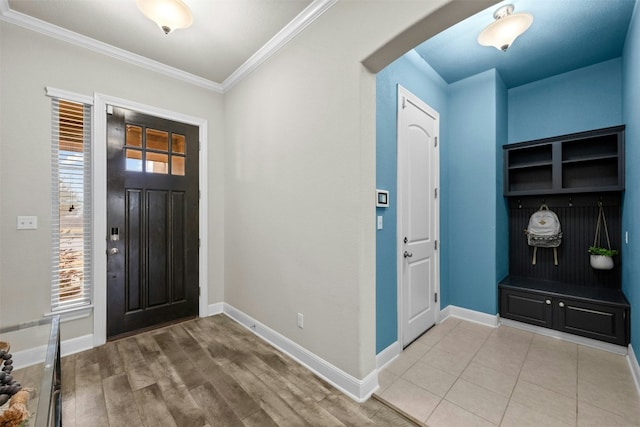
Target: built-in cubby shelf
573,174
581,162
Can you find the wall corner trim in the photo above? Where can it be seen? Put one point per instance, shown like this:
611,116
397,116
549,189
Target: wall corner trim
387,355
470,315
632,360
35,355
215,308
358,390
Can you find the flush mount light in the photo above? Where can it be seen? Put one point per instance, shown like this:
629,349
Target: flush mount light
505,29
170,15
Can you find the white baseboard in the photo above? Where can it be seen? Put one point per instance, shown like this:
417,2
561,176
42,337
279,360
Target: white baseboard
576,339
387,355
216,308
76,345
444,314
358,390
32,356
633,365
469,315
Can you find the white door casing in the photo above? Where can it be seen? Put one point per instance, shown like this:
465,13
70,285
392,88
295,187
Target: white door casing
99,181
418,221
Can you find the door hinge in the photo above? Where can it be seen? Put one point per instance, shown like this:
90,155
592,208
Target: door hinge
436,297
199,291
435,192
435,245
199,146
109,109
198,242
404,102
435,142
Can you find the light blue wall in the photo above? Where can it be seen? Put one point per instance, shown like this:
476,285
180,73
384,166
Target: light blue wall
411,72
631,106
584,99
478,115
472,191
502,207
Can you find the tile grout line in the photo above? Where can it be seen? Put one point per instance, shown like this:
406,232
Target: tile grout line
517,378
577,374
459,376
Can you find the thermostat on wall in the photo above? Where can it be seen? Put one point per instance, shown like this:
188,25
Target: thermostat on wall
382,198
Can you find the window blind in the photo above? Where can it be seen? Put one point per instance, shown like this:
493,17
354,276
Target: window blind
71,284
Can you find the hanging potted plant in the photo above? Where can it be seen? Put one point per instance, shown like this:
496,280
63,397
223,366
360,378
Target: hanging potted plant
601,258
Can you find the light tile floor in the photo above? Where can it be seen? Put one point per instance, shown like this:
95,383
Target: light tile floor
465,374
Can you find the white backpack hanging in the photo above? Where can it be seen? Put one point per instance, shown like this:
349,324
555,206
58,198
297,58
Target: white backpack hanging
544,232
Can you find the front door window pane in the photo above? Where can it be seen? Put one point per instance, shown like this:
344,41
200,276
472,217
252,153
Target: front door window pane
177,144
155,151
157,163
134,136
157,140
134,160
177,165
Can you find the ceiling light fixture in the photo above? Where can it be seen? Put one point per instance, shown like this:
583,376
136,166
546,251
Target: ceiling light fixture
170,15
505,29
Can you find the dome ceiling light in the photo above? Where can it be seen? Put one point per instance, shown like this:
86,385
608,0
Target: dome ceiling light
505,29
170,15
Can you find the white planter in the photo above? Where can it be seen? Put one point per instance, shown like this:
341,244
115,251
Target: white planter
601,262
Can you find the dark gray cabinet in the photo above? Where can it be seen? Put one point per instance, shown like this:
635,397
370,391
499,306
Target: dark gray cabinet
571,173
528,307
597,313
581,162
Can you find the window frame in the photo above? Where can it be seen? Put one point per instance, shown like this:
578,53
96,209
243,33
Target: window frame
85,165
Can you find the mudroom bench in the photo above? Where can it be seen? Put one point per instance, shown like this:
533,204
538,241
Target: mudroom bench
592,312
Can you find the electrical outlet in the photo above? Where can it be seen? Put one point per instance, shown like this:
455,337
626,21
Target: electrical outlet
300,321
27,223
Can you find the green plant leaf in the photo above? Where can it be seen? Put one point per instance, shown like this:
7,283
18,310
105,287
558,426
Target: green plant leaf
594,250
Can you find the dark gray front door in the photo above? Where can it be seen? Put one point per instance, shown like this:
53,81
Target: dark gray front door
152,218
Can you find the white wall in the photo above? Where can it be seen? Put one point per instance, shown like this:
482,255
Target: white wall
292,175
28,63
300,184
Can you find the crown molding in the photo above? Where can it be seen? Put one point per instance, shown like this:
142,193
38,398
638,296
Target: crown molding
277,42
299,23
34,24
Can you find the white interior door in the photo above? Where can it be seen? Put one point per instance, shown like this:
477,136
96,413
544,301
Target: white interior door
418,128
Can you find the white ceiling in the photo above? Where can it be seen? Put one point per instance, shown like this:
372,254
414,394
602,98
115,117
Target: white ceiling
227,37
230,38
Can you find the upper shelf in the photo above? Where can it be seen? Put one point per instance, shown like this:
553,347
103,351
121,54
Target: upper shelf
581,162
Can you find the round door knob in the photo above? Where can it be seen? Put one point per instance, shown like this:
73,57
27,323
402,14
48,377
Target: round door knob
561,304
548,302
114,251
407,254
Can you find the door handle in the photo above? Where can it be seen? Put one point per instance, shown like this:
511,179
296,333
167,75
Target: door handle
407,254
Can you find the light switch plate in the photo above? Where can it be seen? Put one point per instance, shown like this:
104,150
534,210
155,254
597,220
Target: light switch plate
27,223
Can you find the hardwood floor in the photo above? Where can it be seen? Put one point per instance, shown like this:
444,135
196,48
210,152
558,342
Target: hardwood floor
204,372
